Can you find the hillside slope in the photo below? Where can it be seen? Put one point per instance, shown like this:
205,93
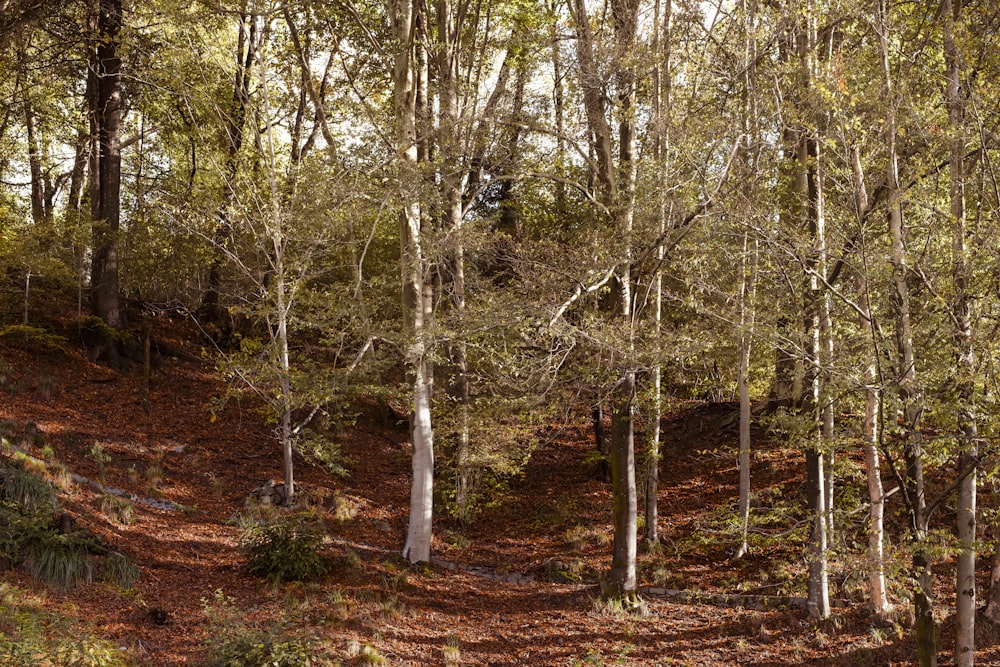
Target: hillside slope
489,600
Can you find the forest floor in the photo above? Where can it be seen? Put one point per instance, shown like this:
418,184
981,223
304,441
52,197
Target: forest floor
519,586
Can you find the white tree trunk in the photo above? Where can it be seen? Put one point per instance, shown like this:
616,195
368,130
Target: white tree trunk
965,516
417,293
876,513
748,291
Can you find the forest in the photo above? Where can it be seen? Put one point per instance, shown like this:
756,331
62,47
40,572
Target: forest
411,318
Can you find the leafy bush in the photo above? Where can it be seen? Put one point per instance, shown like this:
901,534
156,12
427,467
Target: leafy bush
29,636
233,642
57,559
285,548
33,337
26,489
118,509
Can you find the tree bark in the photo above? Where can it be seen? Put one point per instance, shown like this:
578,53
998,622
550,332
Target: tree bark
876,532
623,551
449,31
418,293
106,115
965,367
616,184
235,121
910,396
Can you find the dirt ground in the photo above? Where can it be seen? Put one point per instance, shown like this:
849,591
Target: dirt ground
519,586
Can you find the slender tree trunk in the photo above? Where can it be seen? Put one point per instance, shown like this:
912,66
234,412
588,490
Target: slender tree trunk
623,564
661,119
965,367
876,498
617,183
809,181
451,184
748,290
39,214
417,292
282,297
246,51
910,396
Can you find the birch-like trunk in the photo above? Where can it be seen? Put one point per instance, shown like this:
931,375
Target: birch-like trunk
876,511
965,367
282,297
661,108
417,293
748,291
818,333
908,389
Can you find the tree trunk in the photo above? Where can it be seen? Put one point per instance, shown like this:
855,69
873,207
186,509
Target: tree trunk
235,120
876,513
282,296
417,291
910,396
623,583
661,106
616,183
106,110
748,289
965,367
451,186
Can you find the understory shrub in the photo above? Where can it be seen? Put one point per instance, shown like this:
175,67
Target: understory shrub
33,536
235,642
285,548
30,636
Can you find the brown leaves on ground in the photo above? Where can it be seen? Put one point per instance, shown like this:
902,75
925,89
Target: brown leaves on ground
552,525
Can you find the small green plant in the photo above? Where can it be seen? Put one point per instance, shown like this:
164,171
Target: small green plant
118,509
344,509
234,642
217,485
32,637
392,608
341,608
26,488
592,656
119,570
452,651
59,560
100,456
286,548
369,655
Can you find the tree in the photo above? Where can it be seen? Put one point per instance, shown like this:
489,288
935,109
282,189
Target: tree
909,392
106,104
408,23
965,518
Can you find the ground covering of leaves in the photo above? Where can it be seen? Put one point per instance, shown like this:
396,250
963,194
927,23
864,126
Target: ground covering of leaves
520,586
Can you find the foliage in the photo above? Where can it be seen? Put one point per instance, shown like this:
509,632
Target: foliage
119,570
235,642
32,537
33,493
33,337
285,548
30,636
118,509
